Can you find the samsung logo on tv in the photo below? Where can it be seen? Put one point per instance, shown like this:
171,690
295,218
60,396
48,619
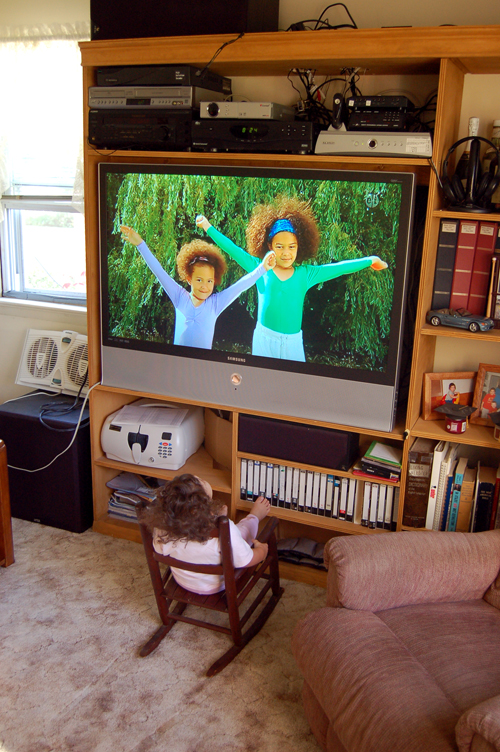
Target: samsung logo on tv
237,360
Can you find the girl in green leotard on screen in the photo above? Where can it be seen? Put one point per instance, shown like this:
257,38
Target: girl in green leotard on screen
287,227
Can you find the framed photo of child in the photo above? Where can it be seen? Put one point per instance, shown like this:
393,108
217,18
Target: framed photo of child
440,388
486,394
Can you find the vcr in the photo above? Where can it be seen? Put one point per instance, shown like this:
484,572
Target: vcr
161,130
271,136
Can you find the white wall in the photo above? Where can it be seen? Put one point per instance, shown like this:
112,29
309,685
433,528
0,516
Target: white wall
481,95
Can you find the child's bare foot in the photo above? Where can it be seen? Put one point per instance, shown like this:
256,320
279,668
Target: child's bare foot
261,507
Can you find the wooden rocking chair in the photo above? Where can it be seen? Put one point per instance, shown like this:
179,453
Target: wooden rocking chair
238,585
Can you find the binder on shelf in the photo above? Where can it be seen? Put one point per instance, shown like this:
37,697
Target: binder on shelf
485,246
302,490
263,478
382,493
365,513
282,487
256,479
295,487
395,509
289,486
440,451
330,483
344,489
250,494
455,494
269,482
276,484
243,480
372,520
315,492
351,500
389,500
464,260
336,497
322,495
445,263
309,490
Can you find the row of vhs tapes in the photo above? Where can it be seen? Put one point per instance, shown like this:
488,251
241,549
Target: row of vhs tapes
366,503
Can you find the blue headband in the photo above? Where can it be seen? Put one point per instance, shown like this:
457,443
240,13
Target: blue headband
281,225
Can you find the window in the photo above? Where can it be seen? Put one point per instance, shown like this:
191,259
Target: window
42,242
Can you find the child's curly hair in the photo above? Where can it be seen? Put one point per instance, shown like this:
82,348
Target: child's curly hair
200,252
182,510
297,212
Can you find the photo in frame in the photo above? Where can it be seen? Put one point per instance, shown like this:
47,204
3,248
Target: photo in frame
486,394
440,388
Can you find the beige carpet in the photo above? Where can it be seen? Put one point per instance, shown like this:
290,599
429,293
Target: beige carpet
74,609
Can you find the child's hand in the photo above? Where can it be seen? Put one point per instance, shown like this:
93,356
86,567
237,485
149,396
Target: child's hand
261,548
269,260
378,264
202,222
128,233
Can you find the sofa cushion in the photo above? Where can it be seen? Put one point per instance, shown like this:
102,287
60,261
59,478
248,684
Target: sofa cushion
444,638
379,572
376,695
478,729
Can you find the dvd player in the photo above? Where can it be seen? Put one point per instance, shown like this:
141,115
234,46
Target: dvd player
258,136
378,144
162,75
143,97
246,110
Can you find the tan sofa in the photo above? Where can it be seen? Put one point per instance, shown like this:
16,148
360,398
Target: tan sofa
405,657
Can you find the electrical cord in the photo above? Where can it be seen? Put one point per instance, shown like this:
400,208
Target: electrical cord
323,24
77,428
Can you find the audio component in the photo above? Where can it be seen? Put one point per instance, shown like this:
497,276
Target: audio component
378,144
161,130
257,136
143,97
380,103
162,75
246,110
131,19
378,113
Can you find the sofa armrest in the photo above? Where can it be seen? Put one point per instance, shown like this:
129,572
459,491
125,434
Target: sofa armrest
482,721
379,572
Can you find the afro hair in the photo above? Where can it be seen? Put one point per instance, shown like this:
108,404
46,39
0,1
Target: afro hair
298,213
201,252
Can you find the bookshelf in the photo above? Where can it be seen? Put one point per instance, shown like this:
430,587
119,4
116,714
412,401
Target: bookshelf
447,52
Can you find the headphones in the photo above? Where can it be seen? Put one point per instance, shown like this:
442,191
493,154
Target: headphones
477,192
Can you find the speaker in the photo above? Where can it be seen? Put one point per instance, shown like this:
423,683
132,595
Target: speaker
296,442
61,494
475,197
131,19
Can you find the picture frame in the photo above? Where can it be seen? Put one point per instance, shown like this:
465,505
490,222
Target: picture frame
488,379
437,386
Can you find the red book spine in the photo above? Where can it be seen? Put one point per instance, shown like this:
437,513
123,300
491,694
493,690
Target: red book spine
464,260
478,293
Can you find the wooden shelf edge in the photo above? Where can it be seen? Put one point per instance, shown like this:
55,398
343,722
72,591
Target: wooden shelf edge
475,434
307,575
315,520
107,525
492,335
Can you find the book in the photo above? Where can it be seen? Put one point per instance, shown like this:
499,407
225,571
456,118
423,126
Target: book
382,493
486,482
445,263
440,451
395,509
494,519
464,260
466,500
455,494
441,489
418,482
384,453
366,470
485,246
492,288
443,523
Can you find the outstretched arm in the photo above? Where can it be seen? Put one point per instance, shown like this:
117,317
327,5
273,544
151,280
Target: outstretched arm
325,272
241,257
226,297
173,290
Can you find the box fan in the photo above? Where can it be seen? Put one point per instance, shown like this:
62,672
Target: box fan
55,361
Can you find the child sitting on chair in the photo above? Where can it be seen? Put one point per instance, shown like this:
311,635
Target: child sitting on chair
183,517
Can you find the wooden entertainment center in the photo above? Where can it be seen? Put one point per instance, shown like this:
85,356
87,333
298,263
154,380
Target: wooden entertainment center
450,53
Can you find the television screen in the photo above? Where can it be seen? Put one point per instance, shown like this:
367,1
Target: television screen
271,290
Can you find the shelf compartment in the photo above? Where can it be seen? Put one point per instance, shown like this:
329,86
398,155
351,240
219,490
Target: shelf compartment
475,435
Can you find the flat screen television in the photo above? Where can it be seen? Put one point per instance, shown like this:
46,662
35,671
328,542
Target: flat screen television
317,336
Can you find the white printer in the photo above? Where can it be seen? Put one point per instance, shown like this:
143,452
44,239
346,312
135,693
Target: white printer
156,434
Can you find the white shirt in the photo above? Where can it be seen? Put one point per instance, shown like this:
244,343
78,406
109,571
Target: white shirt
194,552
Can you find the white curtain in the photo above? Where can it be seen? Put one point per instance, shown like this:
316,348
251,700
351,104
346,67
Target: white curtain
41,108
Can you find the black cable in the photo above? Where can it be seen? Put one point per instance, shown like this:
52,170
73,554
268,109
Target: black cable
200,73
343,25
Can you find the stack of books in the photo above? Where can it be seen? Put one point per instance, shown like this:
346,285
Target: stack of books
380,462
128,490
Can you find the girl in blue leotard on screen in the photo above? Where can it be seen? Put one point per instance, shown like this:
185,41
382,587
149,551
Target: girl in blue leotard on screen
202,266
